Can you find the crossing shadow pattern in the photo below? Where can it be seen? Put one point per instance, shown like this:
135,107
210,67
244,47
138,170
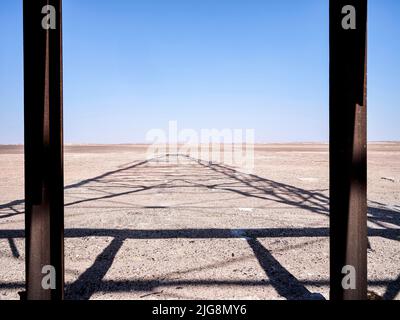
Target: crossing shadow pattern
163,175
156,174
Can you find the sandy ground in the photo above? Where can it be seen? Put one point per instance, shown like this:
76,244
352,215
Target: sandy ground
139,229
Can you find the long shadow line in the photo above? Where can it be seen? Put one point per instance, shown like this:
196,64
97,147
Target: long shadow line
392,234
269,189
309,200
281,279
392,289
144,285
13,248
89,281
14,203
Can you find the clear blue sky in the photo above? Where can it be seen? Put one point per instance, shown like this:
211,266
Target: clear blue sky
132,65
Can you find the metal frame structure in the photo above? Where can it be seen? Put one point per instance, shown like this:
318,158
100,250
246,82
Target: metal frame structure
44,150
44,185
348,150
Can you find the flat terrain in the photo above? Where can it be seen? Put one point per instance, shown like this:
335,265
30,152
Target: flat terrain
184,228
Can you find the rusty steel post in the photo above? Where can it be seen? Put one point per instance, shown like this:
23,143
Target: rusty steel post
44,191
348,150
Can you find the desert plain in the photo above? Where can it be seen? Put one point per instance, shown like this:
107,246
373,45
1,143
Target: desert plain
179,227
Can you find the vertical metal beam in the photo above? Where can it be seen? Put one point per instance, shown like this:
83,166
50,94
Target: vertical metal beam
348,150
44,198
